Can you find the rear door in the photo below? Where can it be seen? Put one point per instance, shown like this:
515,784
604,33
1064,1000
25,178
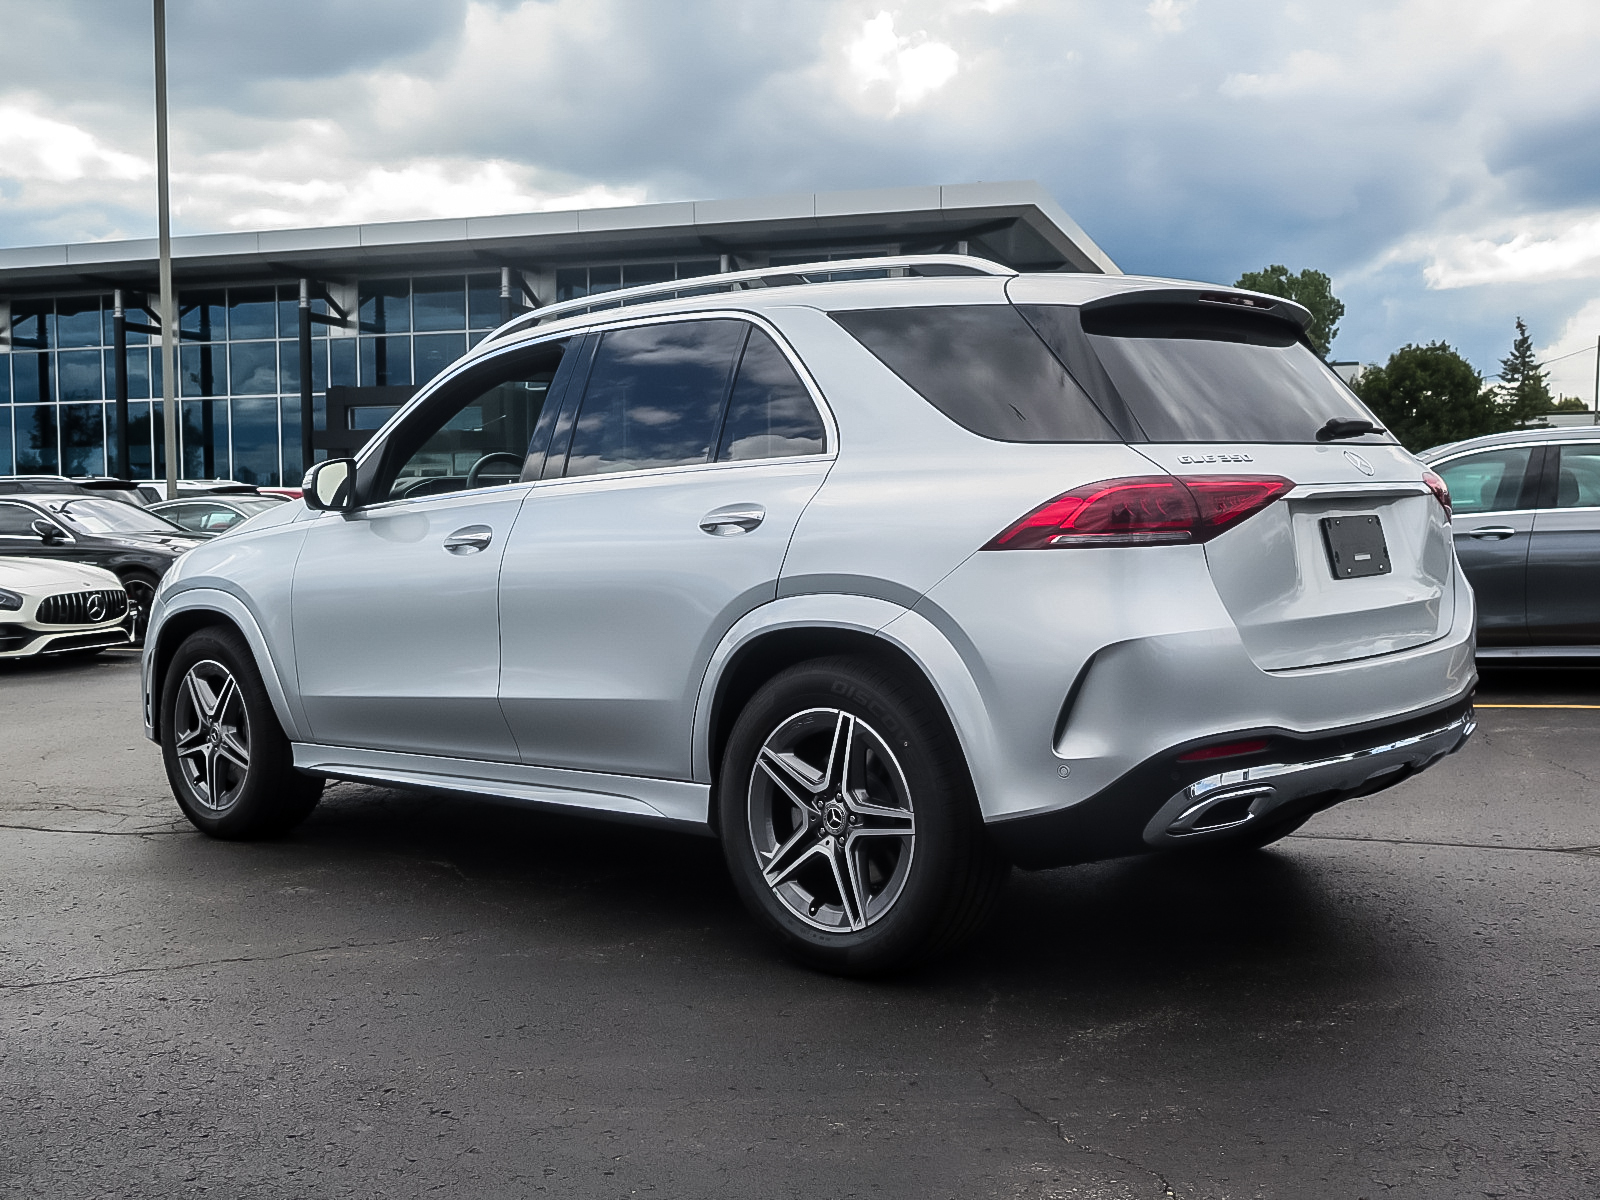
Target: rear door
1492,492
1564,552
664,516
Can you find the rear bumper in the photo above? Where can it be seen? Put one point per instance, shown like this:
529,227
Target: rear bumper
1167,804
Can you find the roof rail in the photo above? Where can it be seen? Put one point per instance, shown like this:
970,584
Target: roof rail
923,265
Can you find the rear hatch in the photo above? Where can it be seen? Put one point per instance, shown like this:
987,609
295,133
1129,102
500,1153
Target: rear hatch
1355,560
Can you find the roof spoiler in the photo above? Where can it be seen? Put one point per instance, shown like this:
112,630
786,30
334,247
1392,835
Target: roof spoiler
1213,299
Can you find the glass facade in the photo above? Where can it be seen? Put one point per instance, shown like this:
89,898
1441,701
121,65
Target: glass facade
239,367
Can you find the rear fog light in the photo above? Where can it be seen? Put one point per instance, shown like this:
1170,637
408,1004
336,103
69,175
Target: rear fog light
1225,750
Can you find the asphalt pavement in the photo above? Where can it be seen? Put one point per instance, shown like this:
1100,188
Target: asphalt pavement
421,995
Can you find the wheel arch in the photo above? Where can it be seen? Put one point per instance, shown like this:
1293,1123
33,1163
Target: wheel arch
188,613
793,631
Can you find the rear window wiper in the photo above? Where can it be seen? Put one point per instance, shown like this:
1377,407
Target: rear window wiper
1345,427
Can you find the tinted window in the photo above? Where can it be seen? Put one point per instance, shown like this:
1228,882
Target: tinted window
1189,374
983,367
770,414
1486,482
17,521
1578,479
113,516
477,430
654,397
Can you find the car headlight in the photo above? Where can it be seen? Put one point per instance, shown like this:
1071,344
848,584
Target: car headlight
9,601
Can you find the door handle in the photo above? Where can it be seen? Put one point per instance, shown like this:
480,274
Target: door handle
1494,533
469,539
733,518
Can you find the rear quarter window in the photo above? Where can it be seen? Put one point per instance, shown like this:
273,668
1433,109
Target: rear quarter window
984,368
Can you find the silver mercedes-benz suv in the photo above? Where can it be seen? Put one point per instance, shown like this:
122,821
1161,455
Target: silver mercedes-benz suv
889,583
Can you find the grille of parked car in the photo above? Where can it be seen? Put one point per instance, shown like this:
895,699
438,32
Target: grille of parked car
83,608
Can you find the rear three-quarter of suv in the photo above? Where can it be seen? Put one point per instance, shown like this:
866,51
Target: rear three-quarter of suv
889,583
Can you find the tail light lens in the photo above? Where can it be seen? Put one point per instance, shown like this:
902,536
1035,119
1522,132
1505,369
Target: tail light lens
1143,510
1440,490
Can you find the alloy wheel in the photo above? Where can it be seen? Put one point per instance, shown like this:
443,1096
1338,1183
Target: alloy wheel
830,818
212,735
141,596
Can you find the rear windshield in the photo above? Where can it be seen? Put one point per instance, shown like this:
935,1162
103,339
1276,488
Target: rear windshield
984,368
1190,375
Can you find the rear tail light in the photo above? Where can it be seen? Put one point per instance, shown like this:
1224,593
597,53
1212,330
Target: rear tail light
1144,510
1440,490
1226,750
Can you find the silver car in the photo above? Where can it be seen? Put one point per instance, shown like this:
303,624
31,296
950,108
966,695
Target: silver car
888,583
1527,531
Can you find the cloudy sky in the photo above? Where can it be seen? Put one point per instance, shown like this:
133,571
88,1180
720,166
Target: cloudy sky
1439,158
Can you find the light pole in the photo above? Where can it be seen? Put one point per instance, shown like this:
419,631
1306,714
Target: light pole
169,321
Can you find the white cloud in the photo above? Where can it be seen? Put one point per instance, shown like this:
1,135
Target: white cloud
1168,15
1521,250
1574,374
912,66
37,148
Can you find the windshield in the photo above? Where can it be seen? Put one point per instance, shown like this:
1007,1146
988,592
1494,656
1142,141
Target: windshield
113,516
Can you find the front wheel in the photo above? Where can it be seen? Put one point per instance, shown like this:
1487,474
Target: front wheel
228,762
849,822
141,589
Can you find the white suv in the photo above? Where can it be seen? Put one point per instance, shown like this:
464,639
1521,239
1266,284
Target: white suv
888,583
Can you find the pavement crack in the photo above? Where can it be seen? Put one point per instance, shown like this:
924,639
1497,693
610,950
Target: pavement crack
1585,851
94,832
1167,1190
169,968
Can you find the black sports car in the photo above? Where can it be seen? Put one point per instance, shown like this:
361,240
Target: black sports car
136,545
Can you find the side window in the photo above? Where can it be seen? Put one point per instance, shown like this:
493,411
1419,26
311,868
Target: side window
1487,482
1578,479
218,519
655,395
476,432
17,521
770,414
185,515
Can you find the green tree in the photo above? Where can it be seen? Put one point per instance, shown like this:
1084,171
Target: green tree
1429,395
1310,288
1569,404
1524,389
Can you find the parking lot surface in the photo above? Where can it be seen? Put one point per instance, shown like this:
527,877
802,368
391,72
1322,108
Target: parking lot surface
417,994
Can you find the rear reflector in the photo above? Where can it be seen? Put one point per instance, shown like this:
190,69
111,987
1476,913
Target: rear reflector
1143,510
1226,750
1440,490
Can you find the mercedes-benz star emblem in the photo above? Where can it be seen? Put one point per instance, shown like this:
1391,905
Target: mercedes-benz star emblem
97,608
1358,462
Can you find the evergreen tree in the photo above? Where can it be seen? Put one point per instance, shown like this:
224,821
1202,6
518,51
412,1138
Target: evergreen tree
1310,288
1429,395
1524,391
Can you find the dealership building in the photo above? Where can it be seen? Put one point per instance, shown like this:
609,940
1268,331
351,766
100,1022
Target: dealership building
391,304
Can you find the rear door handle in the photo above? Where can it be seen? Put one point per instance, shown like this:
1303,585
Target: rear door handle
469,539
1494,533
733,518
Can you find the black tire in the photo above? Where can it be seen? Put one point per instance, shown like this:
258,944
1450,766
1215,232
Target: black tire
937,875
141,589
265,797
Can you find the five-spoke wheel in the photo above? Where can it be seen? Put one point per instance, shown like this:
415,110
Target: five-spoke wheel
831,819
228,761
848,819
212,732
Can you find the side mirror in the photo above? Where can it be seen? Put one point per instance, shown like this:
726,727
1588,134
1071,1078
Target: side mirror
48,531
330,486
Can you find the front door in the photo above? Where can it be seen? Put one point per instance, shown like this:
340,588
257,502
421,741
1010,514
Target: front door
395,605
693,453
1491,493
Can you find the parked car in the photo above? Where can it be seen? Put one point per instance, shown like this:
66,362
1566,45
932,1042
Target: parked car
155,490
134,544
1526,517
887,583
40,485
59,608
213,514
127,490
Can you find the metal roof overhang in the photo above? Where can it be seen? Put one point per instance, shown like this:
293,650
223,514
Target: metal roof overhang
1016,223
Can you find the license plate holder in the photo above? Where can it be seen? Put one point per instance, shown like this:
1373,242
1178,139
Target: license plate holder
1356,546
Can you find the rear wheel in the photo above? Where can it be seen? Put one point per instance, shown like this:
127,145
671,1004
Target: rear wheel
228,762
849,823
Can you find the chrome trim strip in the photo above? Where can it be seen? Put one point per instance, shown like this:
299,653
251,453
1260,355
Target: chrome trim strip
1274,784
